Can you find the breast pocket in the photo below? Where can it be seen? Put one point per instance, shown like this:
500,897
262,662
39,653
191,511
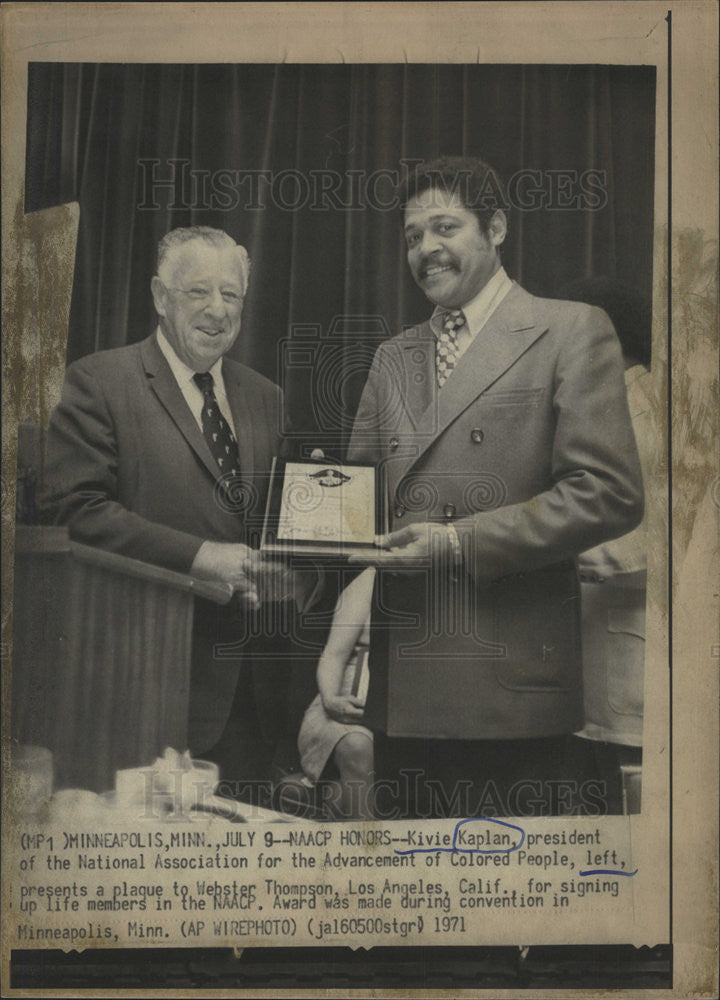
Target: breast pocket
513,410
528,397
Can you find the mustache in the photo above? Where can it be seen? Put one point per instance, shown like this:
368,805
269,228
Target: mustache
430,263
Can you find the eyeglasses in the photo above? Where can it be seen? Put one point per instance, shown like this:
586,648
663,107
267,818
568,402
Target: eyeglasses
201,294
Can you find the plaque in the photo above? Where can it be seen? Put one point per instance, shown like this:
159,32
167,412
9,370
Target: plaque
322,508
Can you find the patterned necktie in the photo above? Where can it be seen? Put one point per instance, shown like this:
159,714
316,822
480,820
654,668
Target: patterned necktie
446,349
216,430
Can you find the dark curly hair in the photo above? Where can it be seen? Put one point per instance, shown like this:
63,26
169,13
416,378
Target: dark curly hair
478,185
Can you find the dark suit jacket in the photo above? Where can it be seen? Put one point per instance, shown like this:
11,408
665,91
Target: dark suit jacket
528,451
128,470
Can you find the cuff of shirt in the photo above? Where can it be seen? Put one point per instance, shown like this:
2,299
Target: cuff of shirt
456,547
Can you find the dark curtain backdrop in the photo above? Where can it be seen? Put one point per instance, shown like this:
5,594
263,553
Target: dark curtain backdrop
91,126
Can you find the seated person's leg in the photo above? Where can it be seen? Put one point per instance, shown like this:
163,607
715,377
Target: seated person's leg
353,757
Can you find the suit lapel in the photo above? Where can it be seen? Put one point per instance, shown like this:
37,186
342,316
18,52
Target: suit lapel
165,387
509,332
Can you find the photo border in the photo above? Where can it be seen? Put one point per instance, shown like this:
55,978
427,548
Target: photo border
25,21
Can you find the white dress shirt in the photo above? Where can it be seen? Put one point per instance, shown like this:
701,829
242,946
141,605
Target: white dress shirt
188,386
477,311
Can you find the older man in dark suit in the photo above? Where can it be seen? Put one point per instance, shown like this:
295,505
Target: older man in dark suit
160,451
503,428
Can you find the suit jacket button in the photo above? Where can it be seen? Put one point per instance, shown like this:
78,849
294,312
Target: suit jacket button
476,435
399,510
449,510
393,443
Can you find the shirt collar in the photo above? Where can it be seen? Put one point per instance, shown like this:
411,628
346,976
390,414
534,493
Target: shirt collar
475,310
180,370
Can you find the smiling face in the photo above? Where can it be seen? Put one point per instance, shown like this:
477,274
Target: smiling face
200,301
450,257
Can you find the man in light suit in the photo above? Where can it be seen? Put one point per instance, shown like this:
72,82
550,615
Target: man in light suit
503,431
160,451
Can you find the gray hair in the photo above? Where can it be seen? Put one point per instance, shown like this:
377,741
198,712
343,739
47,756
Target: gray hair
176,238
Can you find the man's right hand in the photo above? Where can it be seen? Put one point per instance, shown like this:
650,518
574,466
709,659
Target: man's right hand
228,562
